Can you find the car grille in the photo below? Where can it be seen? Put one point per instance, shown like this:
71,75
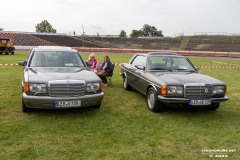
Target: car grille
67,88
198,90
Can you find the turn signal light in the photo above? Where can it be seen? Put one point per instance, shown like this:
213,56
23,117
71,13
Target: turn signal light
101,86
164,90
26,87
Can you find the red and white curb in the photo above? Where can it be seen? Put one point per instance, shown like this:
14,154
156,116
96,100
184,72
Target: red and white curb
217,67
8,64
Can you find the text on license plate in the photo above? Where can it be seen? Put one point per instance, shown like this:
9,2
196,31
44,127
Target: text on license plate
67,103
199,102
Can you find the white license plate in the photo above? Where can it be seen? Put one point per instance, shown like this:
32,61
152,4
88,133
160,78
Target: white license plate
199,102
67,103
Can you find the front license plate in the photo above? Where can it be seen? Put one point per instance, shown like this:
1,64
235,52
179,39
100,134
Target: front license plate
199,102
67,103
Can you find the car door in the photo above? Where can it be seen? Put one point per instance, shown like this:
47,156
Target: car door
138,69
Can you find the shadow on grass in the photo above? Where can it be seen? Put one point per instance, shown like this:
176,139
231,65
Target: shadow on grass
191,110
82,112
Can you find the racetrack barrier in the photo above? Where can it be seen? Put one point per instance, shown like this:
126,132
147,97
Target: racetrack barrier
184,53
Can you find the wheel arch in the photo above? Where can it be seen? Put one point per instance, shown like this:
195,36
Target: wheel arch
124,75
153,86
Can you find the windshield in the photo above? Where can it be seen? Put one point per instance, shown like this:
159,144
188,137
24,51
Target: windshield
169,63
56,59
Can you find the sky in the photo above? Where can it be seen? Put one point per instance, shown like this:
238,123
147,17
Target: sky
109,17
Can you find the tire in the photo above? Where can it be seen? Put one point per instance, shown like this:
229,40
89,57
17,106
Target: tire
213,107
153,104
96,106
126,86
12,53
25,108
7,50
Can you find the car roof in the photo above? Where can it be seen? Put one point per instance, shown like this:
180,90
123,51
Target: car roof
54,48
159,54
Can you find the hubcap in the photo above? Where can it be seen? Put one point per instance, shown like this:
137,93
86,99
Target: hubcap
151,99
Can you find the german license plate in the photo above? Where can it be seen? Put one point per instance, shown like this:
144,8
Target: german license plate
199,102
67,103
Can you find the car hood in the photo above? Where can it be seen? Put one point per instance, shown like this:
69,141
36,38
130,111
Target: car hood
181,78
51,74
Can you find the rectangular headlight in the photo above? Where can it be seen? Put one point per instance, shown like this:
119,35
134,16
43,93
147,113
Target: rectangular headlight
93,87
175,90
218,90
37,88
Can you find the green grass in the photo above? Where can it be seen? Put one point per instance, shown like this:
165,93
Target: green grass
122,128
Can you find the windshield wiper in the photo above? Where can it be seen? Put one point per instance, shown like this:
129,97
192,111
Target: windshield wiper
158,69
79,70
184,69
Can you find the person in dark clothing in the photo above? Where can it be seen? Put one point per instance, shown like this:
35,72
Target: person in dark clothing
105,70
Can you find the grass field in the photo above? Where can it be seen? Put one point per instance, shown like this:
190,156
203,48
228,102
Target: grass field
122,128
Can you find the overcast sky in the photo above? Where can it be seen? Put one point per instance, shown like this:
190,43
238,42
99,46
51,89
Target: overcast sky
111,16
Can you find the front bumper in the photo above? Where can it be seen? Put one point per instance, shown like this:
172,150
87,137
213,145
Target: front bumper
47,102
186,100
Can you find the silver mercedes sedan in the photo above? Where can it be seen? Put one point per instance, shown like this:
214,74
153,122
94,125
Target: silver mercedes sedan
57,78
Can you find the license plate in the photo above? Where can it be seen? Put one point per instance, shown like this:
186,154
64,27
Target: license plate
67,103
199,102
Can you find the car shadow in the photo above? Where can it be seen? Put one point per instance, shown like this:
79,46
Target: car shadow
84,112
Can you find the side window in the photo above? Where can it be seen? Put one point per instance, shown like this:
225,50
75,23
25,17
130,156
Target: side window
139,61
182,63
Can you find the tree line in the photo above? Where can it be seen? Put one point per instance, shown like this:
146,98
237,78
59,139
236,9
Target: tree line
146,31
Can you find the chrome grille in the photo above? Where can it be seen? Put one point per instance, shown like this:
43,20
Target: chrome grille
66,88
199,90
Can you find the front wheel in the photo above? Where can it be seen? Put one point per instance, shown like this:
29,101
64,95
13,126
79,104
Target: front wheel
153,104
125,84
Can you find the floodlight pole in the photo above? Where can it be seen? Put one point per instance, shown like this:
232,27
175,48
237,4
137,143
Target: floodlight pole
83,34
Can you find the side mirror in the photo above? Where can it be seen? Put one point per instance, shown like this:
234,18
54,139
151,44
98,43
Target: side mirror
140,67
197,68
22,63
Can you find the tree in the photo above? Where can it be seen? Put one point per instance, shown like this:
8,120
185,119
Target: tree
136,33
146,31
45,27
123,34
151,31
1,29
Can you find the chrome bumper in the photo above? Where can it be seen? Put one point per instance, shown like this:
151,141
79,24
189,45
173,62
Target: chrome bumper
47,102
186,100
